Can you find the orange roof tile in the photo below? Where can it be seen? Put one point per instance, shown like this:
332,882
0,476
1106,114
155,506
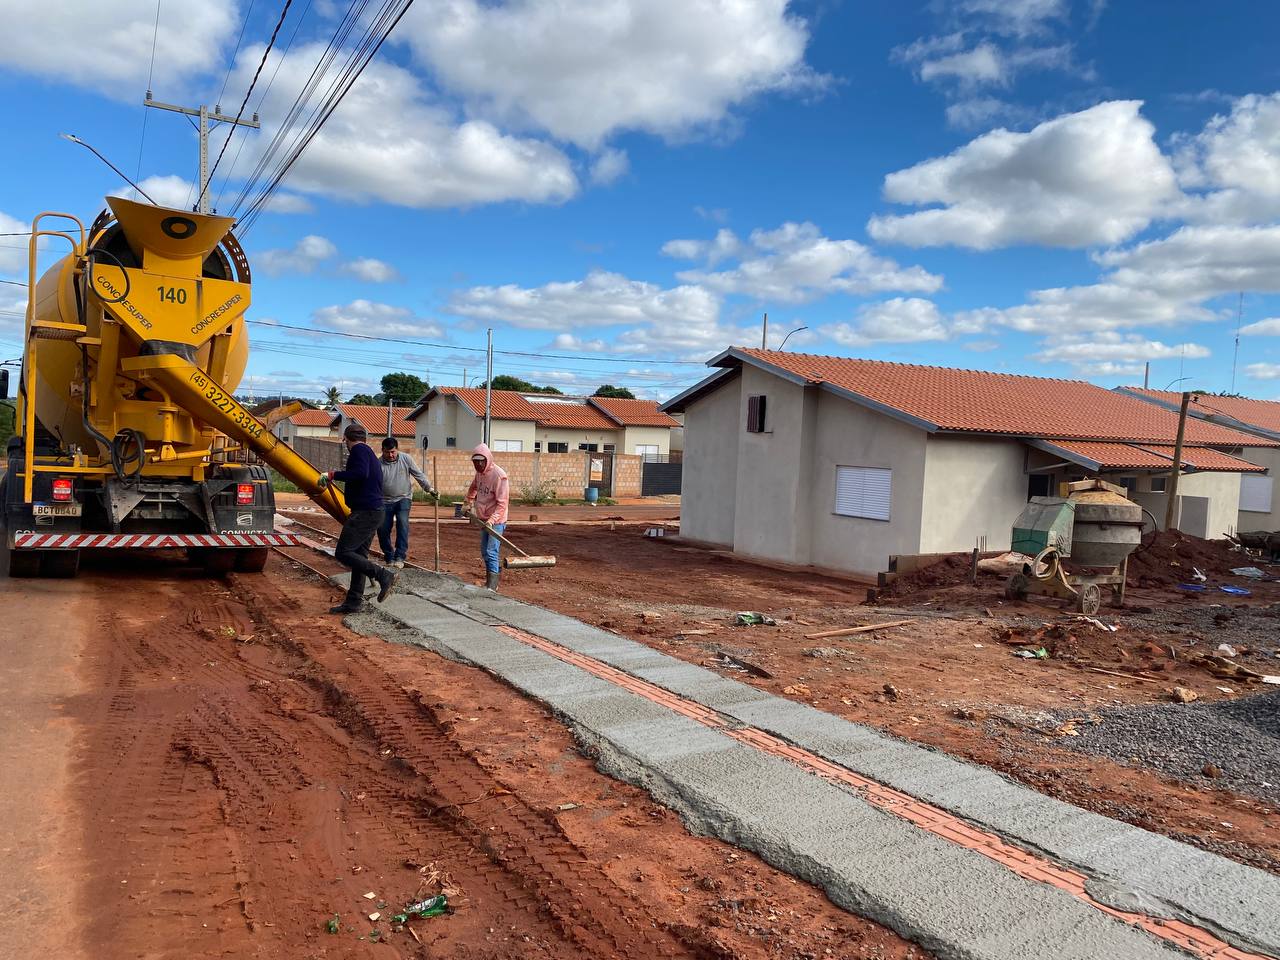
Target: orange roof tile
577,416
974,401
1257,413
633,413
313,418
1152,456
374,419
503,404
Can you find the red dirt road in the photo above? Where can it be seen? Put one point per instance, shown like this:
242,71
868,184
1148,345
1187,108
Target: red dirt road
245,768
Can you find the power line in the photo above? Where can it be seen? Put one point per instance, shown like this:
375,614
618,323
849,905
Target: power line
235,161
155,33
248,93
366,51
244,24
450,346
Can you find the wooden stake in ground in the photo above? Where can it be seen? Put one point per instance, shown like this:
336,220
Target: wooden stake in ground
435,508
850,631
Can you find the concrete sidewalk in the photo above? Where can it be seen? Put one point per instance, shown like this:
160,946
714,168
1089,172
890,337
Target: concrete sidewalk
950,899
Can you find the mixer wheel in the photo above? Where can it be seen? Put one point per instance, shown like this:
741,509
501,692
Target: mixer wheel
1015,588
1089,600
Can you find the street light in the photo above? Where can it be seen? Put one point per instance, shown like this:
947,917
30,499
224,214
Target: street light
1172,382
74,139
782,346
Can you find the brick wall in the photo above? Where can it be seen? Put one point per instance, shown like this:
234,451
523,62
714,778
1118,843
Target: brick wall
567,472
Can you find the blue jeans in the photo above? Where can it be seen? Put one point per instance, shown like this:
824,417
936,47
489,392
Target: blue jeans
489,547
396,512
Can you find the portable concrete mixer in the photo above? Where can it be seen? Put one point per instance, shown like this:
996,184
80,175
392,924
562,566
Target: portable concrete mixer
1095,526
126,419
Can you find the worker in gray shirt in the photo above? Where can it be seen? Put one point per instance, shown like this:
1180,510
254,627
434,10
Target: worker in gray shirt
397,497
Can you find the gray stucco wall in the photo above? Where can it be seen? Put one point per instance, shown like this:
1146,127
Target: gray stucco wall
849,435
709,487
1268,457
774,505
973,487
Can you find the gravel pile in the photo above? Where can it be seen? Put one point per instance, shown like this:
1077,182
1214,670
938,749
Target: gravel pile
1241,738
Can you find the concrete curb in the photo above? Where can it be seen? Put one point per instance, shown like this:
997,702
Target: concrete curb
947,898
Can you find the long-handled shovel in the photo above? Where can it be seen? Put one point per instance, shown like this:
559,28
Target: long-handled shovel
516,563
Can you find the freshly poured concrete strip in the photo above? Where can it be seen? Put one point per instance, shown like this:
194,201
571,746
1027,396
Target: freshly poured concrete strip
950,899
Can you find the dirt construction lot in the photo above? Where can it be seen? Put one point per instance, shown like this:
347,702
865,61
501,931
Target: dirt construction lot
219,768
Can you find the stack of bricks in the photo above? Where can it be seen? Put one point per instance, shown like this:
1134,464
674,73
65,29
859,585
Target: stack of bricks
566,474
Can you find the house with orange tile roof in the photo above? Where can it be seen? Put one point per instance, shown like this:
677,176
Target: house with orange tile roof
374,420
453,417
1259,493
306,423
841,463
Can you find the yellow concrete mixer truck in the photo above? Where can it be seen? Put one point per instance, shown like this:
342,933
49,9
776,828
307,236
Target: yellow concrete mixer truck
127,432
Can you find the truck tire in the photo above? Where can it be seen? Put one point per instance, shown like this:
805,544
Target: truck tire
252,561
14,563
60,563
218,563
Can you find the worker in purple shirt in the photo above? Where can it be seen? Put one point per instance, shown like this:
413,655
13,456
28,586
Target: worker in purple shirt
363,493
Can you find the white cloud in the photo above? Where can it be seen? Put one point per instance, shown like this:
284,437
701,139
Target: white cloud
1093,177
375,319
567,341
309,386
391,141
796,263
900,320
1235,162
371,270
584,69
303,257
977,112
609,166
1263,371
600,299
1269,327
169,190
13,250
984,64
1117,348
288,203
1017,17
107,46
725,244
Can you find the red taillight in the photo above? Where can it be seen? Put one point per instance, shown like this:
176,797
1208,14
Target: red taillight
62,489
244,494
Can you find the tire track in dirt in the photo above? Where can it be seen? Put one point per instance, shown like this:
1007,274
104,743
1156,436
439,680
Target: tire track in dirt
245,776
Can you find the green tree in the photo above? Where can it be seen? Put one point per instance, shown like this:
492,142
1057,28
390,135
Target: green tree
507,382
365,400
404,388
6,422
332,397
619,393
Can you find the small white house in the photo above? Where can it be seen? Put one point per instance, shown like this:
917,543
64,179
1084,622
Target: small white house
840,463
306,423
453,417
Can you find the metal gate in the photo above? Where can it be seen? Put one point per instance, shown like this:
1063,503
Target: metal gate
660,477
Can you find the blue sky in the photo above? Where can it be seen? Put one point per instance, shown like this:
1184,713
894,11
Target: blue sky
621,189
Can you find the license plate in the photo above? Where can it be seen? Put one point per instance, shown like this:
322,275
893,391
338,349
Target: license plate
55,509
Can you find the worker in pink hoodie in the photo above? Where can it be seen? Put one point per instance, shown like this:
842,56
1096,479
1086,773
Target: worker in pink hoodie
487,500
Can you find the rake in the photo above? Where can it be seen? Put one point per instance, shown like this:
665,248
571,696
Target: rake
522,562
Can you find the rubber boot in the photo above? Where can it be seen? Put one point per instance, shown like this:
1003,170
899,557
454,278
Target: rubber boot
491,581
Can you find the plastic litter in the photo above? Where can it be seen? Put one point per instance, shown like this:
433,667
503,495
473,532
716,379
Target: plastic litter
334,924
749,618
1235,591
1038,654
431,907
1253,573
1197,576
1192,587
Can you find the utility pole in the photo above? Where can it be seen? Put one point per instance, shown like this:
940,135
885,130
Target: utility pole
391,405
205,116
1146,376
764,333
488,386
1172,492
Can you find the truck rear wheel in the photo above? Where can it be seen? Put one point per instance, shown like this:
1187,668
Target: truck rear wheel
219,562
60,563
252,561
18,563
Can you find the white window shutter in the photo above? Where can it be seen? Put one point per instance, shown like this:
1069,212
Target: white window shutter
1255,493
863,492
